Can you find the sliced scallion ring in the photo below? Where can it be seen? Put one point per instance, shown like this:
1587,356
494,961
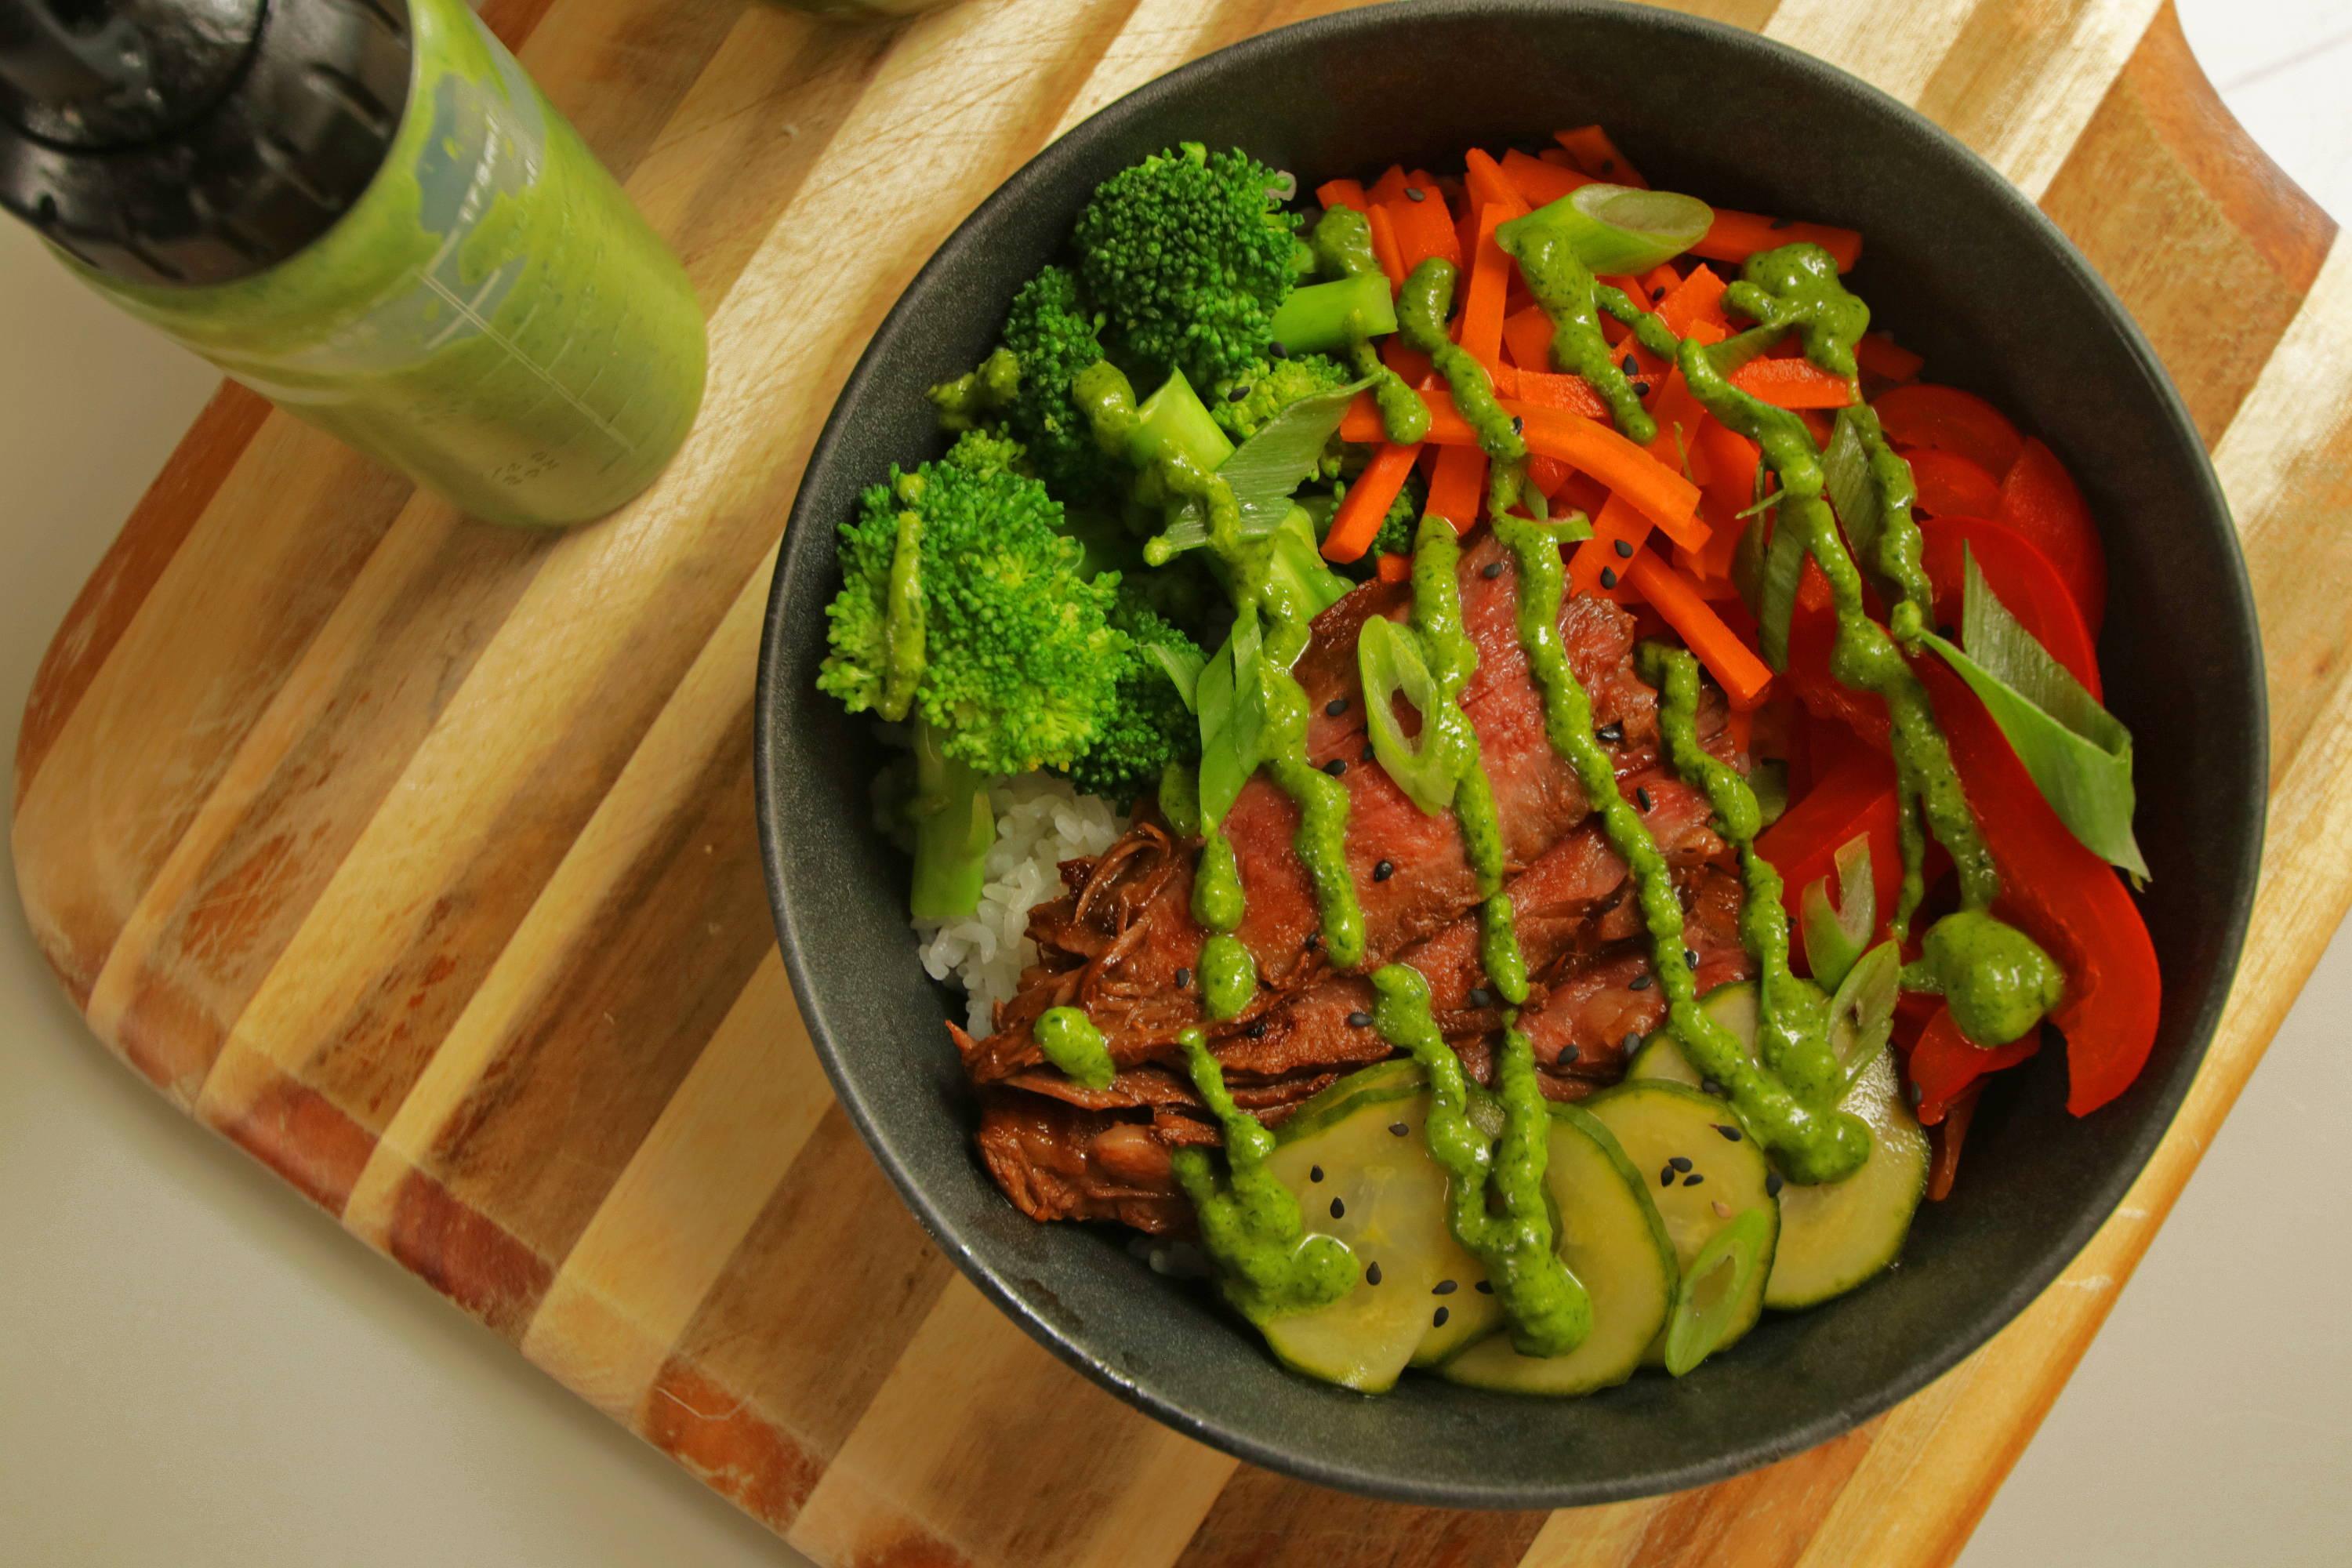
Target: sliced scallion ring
1718,1281
1619,229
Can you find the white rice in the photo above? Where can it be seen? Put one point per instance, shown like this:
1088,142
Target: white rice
1041,821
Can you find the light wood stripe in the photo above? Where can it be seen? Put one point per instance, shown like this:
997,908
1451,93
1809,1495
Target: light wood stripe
1897,60
976,1415
2062,54
685,1203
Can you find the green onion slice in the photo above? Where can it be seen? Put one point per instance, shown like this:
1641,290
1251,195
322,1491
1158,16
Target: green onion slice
1836,931
2079,755
1618,229
1861,1014
1388,656
1711,1289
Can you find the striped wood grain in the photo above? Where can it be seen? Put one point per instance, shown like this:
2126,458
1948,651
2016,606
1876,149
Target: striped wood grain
417,858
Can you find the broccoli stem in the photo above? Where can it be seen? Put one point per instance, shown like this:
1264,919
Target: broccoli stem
1324,317
1175,420
953,830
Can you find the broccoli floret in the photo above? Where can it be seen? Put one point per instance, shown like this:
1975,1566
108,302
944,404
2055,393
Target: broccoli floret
964,606
1052,337
1188,255
1148,724
1271,386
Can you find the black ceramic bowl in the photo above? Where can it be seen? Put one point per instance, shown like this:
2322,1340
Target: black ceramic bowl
1965,271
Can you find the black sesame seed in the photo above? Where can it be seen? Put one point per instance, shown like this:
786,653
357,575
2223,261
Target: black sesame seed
1632,365
1237,394
1444,1288
1398,1130
1383,871
1484,1287
1693,1179
1333,708
1612,733
1437,1319
1642,797
1183,978
1708,1086
1257,1031
1568,1055
1642,387
1518,425
1372,1274
1666,1176
1481,997
1624,550
1314,1172
1359,1020
1335,766
1680,1163
1690,957
1314,939
1492,570
1279,352
1366,754
1731,1133
1948,631
1641,982
1609,577
1338,1209
1772,1184
1415,194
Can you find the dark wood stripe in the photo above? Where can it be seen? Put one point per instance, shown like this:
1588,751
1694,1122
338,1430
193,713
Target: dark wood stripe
728,1443
140,552
1264,1521
471,1259
298,1134
836,1254
2209,246
1764,1519
2001,50
513,21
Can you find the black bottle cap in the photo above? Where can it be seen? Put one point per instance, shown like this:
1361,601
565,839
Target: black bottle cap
195,141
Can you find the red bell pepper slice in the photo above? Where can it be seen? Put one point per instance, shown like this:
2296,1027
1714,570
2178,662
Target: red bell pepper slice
2064,897
2039,500
1855,797
1945,1063
1951,420
2020,577
1951,486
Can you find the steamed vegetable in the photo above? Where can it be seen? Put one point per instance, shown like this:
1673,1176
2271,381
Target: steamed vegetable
964,606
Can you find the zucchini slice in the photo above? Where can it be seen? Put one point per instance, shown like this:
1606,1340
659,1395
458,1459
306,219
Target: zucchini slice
1702,1170
1833,1236
1355,1158
1611,1239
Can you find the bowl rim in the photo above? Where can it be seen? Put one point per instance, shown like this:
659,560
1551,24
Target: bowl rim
2234,595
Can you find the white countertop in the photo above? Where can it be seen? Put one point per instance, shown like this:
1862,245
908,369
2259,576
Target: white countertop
198,1369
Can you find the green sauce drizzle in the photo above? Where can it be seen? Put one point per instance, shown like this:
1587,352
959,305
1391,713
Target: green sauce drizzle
1564,288
1449,737
1422,309
1249,1221
1343,248
1809,1145
903,667
1549,1309
1995,979
1793,1019
1228,976
1069,1039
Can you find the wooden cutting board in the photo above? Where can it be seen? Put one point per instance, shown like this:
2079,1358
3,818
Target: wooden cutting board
415,856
